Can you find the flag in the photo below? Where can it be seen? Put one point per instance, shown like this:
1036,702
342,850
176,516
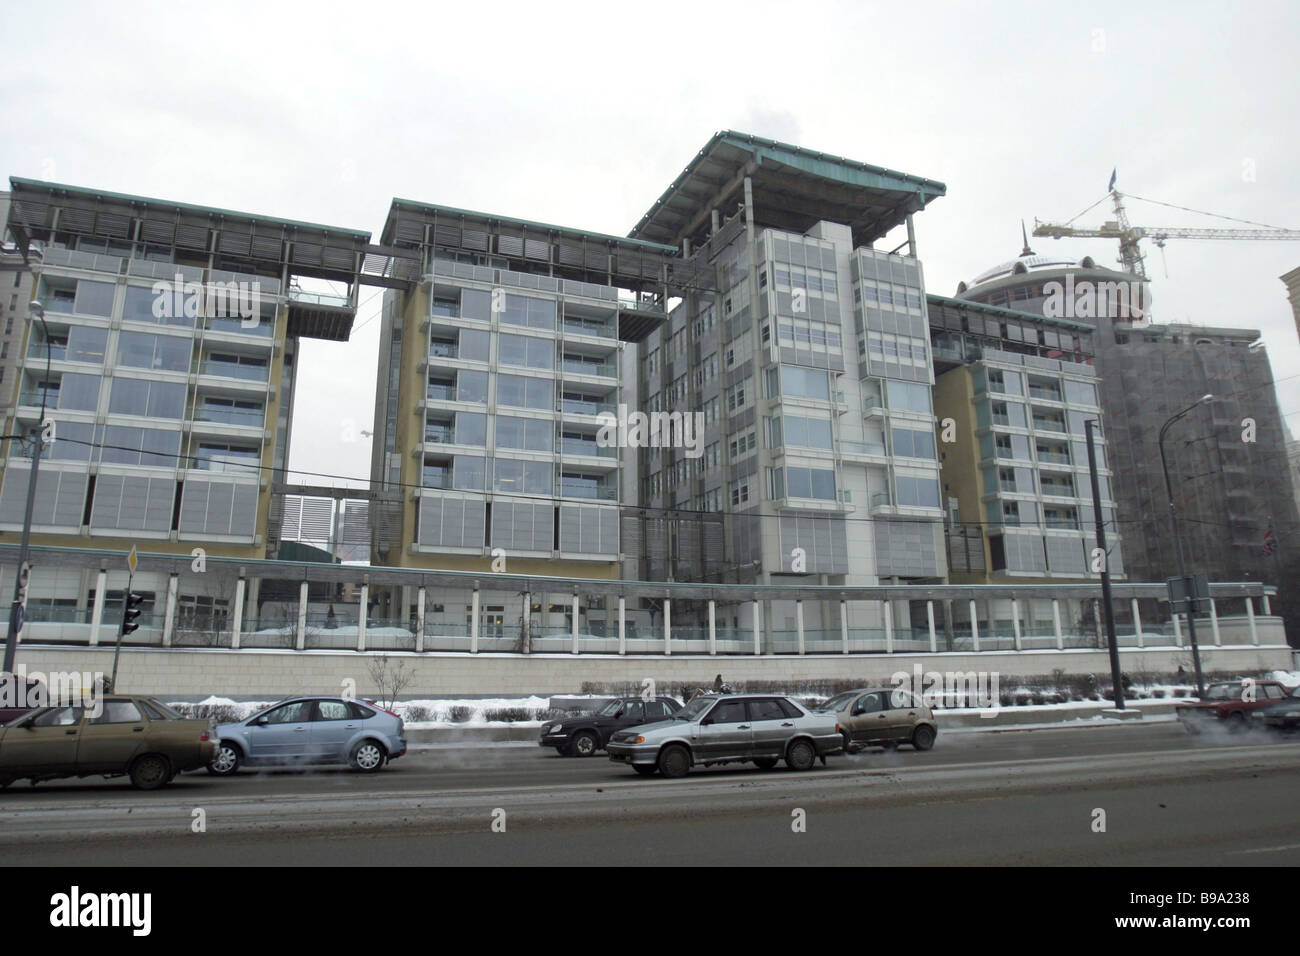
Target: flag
1113,175
1270,543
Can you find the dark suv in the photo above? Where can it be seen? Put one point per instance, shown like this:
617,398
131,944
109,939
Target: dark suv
584,734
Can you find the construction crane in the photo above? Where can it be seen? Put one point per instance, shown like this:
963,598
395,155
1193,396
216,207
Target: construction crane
1130,254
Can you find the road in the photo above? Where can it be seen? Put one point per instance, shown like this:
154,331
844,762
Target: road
1013,797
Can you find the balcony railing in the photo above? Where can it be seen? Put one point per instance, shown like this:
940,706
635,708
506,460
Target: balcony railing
581,407
1047,394
33,397
259,326
1052,457
319,298
444,350
251,373
570,489
601,330
231,416
880,500
440,436
1049,424
862,448
441,393
589,368
573,446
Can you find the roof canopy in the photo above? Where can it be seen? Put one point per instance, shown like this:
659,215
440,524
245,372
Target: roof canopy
794,188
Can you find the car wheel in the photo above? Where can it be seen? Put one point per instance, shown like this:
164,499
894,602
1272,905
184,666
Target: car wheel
849,746
585,744
225,761
800,755
923,737
764,763
674,761
645,769
367,757
150,772
1236,722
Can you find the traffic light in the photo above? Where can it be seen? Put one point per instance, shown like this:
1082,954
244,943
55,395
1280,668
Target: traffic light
131,612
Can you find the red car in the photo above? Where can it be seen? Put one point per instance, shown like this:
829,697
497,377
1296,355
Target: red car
1230,702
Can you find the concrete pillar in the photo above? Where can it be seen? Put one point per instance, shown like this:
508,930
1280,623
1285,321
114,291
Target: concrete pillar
929,620
974,627
169,618
1214,624
1178,631
362,608
527,619
420,597
1056,624
1268,608
301,642
758,626
1137,622
1015,621
888,610
240,587
668,626
1250,616
574,632
622,624
713,628
475,616
97,615
798,623
844,627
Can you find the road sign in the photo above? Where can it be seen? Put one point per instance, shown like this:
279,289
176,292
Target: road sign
1193,589
132,559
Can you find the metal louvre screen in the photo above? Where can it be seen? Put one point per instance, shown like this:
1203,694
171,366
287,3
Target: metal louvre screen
522,526
451,522
588,529
218,507
60,497
132,503
822,540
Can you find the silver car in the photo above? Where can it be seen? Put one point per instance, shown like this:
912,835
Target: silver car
311,730
716,729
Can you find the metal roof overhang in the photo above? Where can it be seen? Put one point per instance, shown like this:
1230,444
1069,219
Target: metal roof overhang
794,188
240,241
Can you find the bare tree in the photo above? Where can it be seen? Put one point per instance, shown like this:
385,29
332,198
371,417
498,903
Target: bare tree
390,678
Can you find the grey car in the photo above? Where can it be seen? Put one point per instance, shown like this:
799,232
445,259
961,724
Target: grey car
731,728
311,730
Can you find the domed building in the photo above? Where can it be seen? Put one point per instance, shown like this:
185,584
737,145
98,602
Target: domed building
1226,458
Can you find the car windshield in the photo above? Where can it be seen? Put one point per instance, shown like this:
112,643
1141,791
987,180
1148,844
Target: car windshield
163,708
695,708
838,702
610,709
1223,692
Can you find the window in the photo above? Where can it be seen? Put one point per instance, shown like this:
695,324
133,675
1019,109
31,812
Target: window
739,491
529,434
918,492
526,351
254,368
810,483
333,710
159,352
804,432
520,392
468,473
737,396
151,447
766,710
805,383
528,312
523,477
727,712
118,712
743,444
94,298
297,712
908,396
910,443
471,428
79,392
471,387
136,396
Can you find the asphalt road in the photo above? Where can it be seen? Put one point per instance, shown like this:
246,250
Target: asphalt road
1014,797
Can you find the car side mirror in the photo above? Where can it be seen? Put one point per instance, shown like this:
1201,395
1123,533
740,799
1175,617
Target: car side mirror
857,711
262,721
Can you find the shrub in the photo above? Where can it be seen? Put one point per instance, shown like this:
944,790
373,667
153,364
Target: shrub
508,715
461,714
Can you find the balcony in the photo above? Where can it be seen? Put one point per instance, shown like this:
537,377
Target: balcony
570,447
589,490
249,373
441,393
1046,394
249,417
440,436
1053,457
318,315
260,327
575,406
867,448
574,366
447,350
600,330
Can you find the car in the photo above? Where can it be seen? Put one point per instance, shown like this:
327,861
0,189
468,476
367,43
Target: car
729,728
311,730
19,695
1226,701
882,717
1278,715
583,734
122,734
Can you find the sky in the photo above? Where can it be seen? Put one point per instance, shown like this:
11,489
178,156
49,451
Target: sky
582,114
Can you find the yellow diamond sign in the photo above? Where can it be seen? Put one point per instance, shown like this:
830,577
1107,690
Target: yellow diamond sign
132,559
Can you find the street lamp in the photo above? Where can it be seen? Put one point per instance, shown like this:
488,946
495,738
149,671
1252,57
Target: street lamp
1178,542
20,579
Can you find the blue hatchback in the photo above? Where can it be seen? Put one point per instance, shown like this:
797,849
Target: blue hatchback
311,730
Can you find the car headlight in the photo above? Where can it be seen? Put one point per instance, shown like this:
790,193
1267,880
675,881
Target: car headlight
637,740
554,728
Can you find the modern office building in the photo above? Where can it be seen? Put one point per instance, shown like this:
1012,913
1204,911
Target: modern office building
1227,459
166,364
15,292
498,364
807,352
1292,281
1018,390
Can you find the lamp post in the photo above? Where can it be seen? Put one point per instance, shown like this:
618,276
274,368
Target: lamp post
1112,645
1178,542
20,579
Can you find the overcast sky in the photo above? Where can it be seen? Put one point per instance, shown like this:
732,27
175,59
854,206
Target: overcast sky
583,114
